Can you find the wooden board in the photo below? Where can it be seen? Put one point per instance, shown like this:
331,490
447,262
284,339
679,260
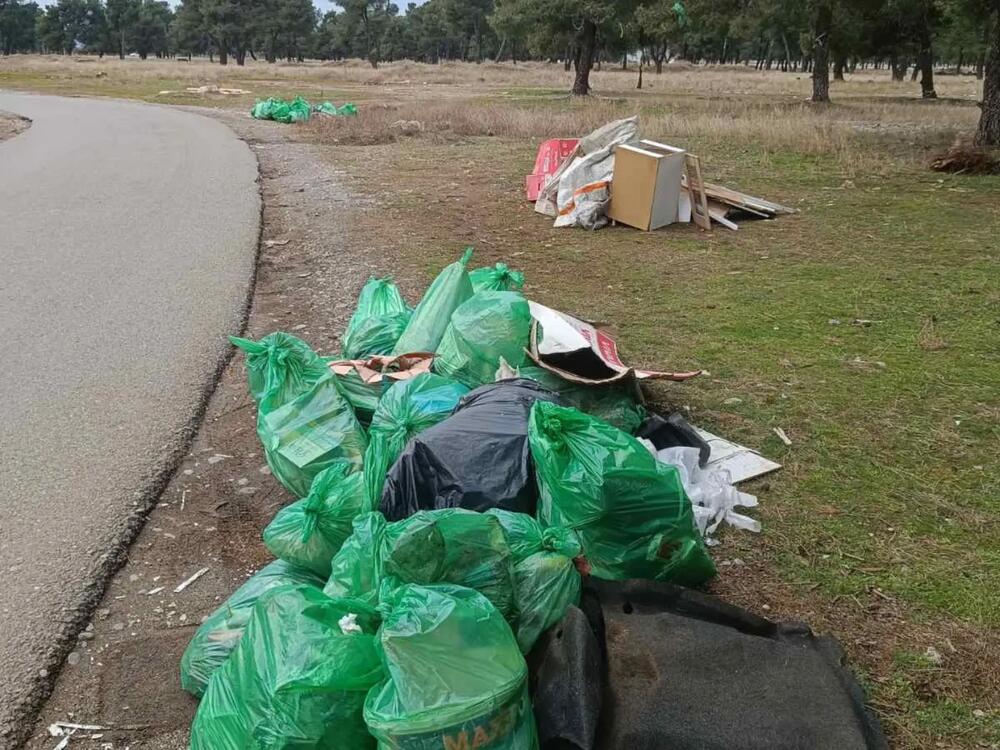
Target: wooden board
696,187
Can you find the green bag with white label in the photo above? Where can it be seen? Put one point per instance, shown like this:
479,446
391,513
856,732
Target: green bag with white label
312,432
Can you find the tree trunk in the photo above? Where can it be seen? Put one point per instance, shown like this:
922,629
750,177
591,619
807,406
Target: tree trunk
988,132
822,21
223,54
925,58
625,61
898,68
121,43
916,69
499,57
839,63
588,35
241,56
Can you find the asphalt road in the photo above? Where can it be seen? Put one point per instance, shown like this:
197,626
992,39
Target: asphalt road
127,246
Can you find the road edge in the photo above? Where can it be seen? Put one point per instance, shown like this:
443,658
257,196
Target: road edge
111,561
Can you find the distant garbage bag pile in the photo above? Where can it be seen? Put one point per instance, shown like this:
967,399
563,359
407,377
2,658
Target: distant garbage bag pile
462,469
297,110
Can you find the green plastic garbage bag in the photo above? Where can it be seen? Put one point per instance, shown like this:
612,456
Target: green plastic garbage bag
453,545
546,579
405,409
217,636
483,329
629,510
377,549
432,316
373,336
614,404
261,109
454,675
310,433
309,532
298,110
328,108
280,365
378,321
498,278
297,680
363,397
378,297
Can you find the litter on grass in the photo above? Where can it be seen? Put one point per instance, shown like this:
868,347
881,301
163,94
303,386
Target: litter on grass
447,535
297,110
611,175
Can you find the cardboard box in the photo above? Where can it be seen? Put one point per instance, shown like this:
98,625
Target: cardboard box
646,185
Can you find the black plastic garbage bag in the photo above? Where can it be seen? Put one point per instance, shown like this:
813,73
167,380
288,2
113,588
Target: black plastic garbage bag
478,458
687,671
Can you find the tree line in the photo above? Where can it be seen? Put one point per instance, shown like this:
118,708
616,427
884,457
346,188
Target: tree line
825,38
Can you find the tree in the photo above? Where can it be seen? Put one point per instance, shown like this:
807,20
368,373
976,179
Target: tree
821,25
121,15
18,21
988,131
661,23
373,17
148,33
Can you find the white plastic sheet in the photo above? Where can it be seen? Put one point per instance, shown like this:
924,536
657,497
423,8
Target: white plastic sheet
711,491
580,191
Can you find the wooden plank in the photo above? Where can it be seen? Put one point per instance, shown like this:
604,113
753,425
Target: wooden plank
696,187
735,197
717,212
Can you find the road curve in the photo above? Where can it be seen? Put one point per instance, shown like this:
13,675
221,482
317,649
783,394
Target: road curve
128,236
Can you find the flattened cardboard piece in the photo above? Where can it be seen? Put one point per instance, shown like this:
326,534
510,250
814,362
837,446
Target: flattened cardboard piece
578,351
741,462
376,369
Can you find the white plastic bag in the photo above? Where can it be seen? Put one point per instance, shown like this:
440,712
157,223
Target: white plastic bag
712,493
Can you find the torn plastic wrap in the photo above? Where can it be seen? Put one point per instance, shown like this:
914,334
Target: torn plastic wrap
455,677
711,491
579,192
478,458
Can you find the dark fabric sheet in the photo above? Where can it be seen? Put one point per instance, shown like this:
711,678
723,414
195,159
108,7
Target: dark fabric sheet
687,671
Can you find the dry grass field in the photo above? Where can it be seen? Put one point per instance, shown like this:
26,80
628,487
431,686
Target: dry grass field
884,526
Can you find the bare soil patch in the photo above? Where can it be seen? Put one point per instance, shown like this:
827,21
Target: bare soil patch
11,125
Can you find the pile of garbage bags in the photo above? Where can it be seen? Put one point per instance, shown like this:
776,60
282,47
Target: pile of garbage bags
297,110
453,497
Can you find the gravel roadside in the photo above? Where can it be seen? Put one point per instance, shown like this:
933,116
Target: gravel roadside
123,673
11,125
